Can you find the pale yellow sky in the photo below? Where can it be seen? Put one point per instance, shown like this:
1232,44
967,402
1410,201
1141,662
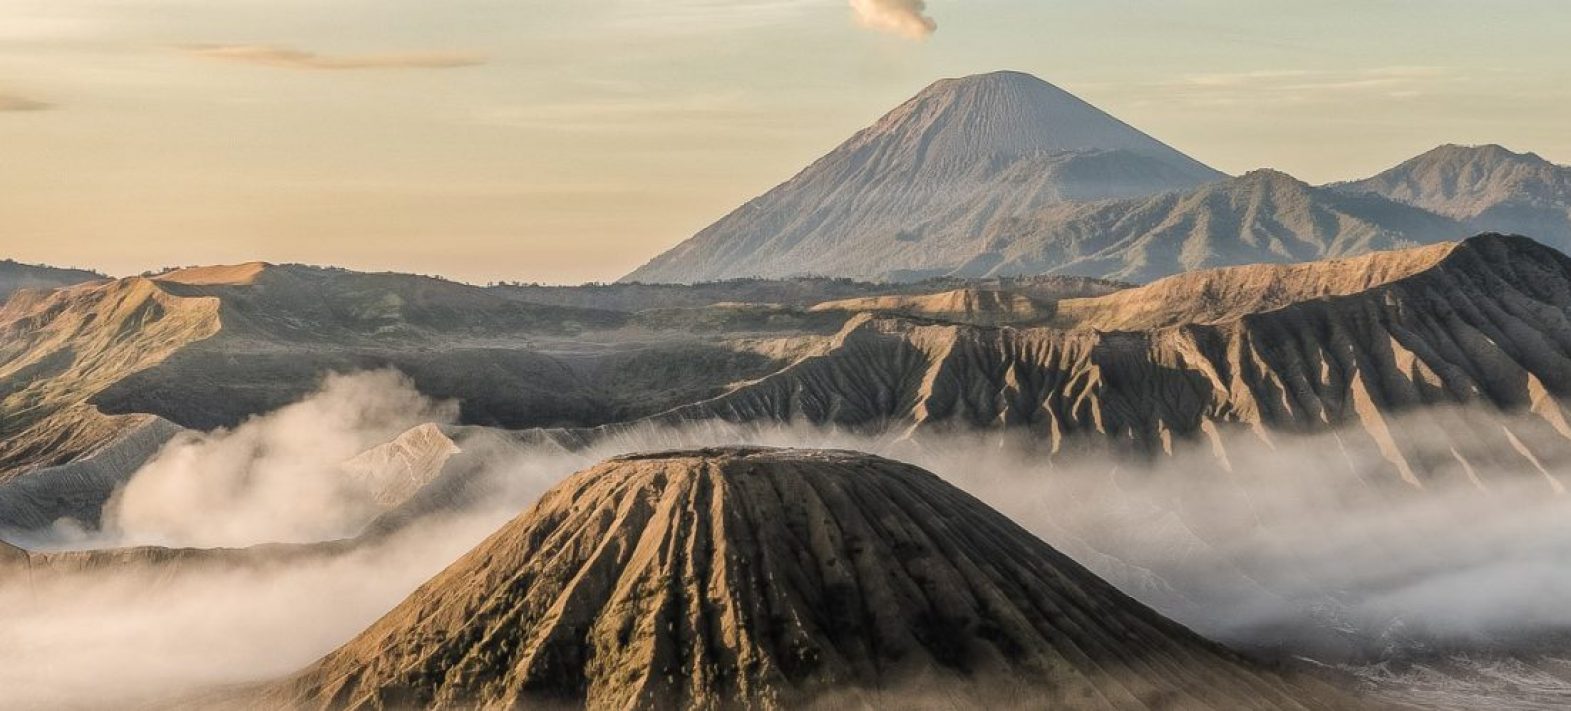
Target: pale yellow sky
566,141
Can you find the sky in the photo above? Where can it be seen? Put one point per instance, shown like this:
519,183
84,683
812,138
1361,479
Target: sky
564,141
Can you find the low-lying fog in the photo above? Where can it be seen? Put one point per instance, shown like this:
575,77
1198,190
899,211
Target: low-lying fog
1302,545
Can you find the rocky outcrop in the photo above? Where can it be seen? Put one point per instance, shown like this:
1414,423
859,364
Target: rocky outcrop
751,578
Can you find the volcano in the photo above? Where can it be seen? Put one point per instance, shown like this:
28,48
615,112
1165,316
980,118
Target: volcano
915,194
764,578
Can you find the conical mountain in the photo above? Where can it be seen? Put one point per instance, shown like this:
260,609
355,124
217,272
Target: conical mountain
760,578
913,193
1490,187
1264,216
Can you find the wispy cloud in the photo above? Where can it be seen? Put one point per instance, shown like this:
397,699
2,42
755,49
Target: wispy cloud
17,102
907,18
290,58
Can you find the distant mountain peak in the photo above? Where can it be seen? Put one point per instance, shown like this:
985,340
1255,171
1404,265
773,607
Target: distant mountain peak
1270,177
916,191
1011,113
1489,151
1490,187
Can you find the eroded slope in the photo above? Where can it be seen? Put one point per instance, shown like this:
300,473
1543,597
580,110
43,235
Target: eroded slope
61,348
1487,324
747,578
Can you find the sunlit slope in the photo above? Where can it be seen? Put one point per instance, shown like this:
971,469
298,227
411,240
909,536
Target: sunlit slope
1271,349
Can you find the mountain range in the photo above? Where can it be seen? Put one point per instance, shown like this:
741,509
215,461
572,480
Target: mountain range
1003,173
1383,347
1466,344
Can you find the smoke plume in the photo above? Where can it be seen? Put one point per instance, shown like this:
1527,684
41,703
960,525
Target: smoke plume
907,18
278,477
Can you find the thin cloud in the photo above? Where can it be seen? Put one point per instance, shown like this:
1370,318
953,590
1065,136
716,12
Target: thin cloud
907,18
290,58
16,102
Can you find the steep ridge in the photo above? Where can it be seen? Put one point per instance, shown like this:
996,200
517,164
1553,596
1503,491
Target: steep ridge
1487,323
1489,187
58,349
1264,216
1216,295
208,347
914,194
798,292
217,344
752,578
510,363
296,302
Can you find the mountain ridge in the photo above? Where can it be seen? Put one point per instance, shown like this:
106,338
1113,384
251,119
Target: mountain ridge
16,276
1487,188
1262,216
1483,325
958,182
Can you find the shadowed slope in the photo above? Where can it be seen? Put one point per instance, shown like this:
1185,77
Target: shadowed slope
15,276
748,578
1490,188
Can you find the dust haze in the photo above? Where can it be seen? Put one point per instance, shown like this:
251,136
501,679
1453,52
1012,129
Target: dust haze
1305,546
